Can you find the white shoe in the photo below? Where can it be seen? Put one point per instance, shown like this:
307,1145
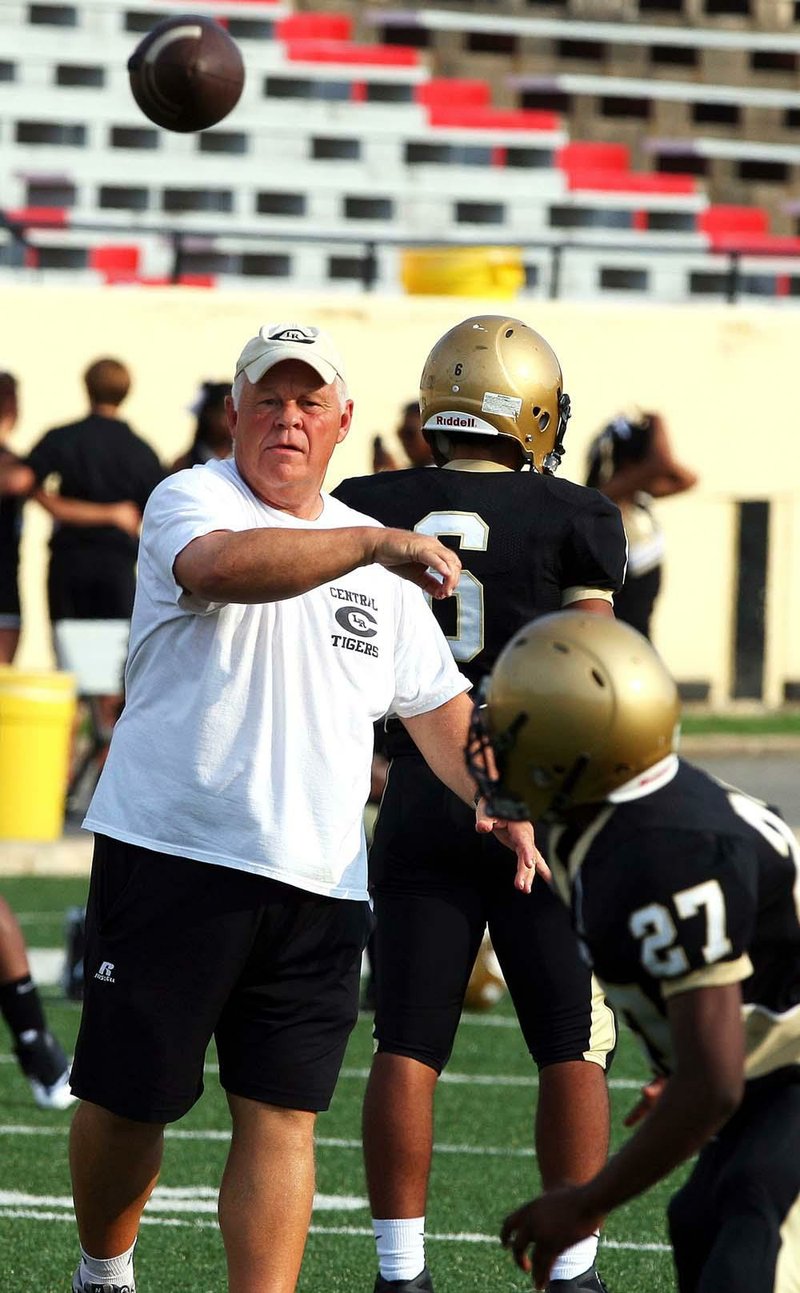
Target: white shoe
46,1067
57,1096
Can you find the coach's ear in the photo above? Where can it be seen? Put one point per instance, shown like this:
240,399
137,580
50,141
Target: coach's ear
346,421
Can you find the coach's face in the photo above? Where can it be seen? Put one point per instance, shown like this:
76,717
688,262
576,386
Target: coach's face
284,431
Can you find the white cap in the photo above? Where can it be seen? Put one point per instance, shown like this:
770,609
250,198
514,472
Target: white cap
277,342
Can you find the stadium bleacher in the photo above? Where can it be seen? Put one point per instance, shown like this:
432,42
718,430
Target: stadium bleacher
357,136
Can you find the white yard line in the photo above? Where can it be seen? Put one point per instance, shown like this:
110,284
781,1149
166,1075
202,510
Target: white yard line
202,1200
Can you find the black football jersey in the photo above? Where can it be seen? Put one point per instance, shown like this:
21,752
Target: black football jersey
522,538
694,884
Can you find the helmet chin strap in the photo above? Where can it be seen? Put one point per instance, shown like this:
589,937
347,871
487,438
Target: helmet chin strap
552,460
563,796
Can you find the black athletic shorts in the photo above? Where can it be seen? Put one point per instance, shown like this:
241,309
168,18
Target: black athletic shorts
91,584
734,1224
178,952
437,885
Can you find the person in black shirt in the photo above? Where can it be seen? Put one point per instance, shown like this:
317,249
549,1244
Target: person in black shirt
494,412
212,436
99,459
10,529
631,461
683,891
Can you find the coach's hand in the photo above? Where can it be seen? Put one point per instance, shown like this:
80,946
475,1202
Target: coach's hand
517,836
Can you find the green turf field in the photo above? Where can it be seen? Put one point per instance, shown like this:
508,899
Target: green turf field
482,1168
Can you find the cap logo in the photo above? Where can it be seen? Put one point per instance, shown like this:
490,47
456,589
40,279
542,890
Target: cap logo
305,335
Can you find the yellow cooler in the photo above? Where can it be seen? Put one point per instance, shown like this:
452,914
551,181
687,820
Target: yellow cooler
493,273
37,709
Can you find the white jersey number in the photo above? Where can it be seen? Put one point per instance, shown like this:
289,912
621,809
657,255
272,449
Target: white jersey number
774,830
654,927
473,535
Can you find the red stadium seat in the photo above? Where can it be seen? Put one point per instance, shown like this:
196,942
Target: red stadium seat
51,217
612,181
589,155
733,219
314,26
117,264
756,244
309,50
451,90
487,118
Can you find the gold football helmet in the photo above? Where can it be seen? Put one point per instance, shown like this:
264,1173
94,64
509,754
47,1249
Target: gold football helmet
576,705
495,376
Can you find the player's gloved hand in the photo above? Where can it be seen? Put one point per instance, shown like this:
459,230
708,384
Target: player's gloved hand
547,1226
650,1094
517,836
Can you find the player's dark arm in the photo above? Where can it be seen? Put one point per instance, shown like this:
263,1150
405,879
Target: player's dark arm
659,473
79,511
596,605
702,1093
441,737
16,477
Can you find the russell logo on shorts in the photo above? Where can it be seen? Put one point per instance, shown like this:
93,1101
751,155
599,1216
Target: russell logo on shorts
106,972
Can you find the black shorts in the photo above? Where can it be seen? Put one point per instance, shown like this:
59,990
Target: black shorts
730,1224
437,885
10,525
91,584
178,951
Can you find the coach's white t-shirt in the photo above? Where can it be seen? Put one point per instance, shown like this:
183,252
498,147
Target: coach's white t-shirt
246,736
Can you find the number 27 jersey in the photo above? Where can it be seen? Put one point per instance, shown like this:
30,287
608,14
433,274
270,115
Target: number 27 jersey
694,884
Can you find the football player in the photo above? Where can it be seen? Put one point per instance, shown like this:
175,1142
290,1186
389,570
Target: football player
684,891
494,411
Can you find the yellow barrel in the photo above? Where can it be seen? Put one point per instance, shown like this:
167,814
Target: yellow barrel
37,708
493,272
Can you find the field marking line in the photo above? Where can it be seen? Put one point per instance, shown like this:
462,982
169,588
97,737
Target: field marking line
321,1142
448,1078
51,1211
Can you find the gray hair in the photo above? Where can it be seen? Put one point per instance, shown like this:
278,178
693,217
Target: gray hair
240,379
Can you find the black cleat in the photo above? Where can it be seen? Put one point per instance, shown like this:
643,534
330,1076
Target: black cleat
422,1283
588,1282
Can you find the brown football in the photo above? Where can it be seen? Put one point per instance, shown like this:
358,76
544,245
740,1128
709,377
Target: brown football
187,73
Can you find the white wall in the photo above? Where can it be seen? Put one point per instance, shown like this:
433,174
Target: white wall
725,378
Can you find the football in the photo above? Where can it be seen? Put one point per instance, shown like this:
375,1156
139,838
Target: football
187,73
486,983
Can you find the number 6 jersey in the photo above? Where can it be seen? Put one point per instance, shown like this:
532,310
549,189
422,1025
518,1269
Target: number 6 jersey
679,882
529,544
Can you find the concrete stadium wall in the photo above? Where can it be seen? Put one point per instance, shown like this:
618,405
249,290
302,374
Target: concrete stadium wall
726,380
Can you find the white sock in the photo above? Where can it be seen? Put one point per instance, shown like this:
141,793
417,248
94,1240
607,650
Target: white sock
108,1270
401,1247
575,1260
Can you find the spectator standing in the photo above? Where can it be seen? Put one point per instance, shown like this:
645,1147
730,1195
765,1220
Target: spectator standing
10,528
684,891
409,433
228,893
99,460
495,413
212,436
631,462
